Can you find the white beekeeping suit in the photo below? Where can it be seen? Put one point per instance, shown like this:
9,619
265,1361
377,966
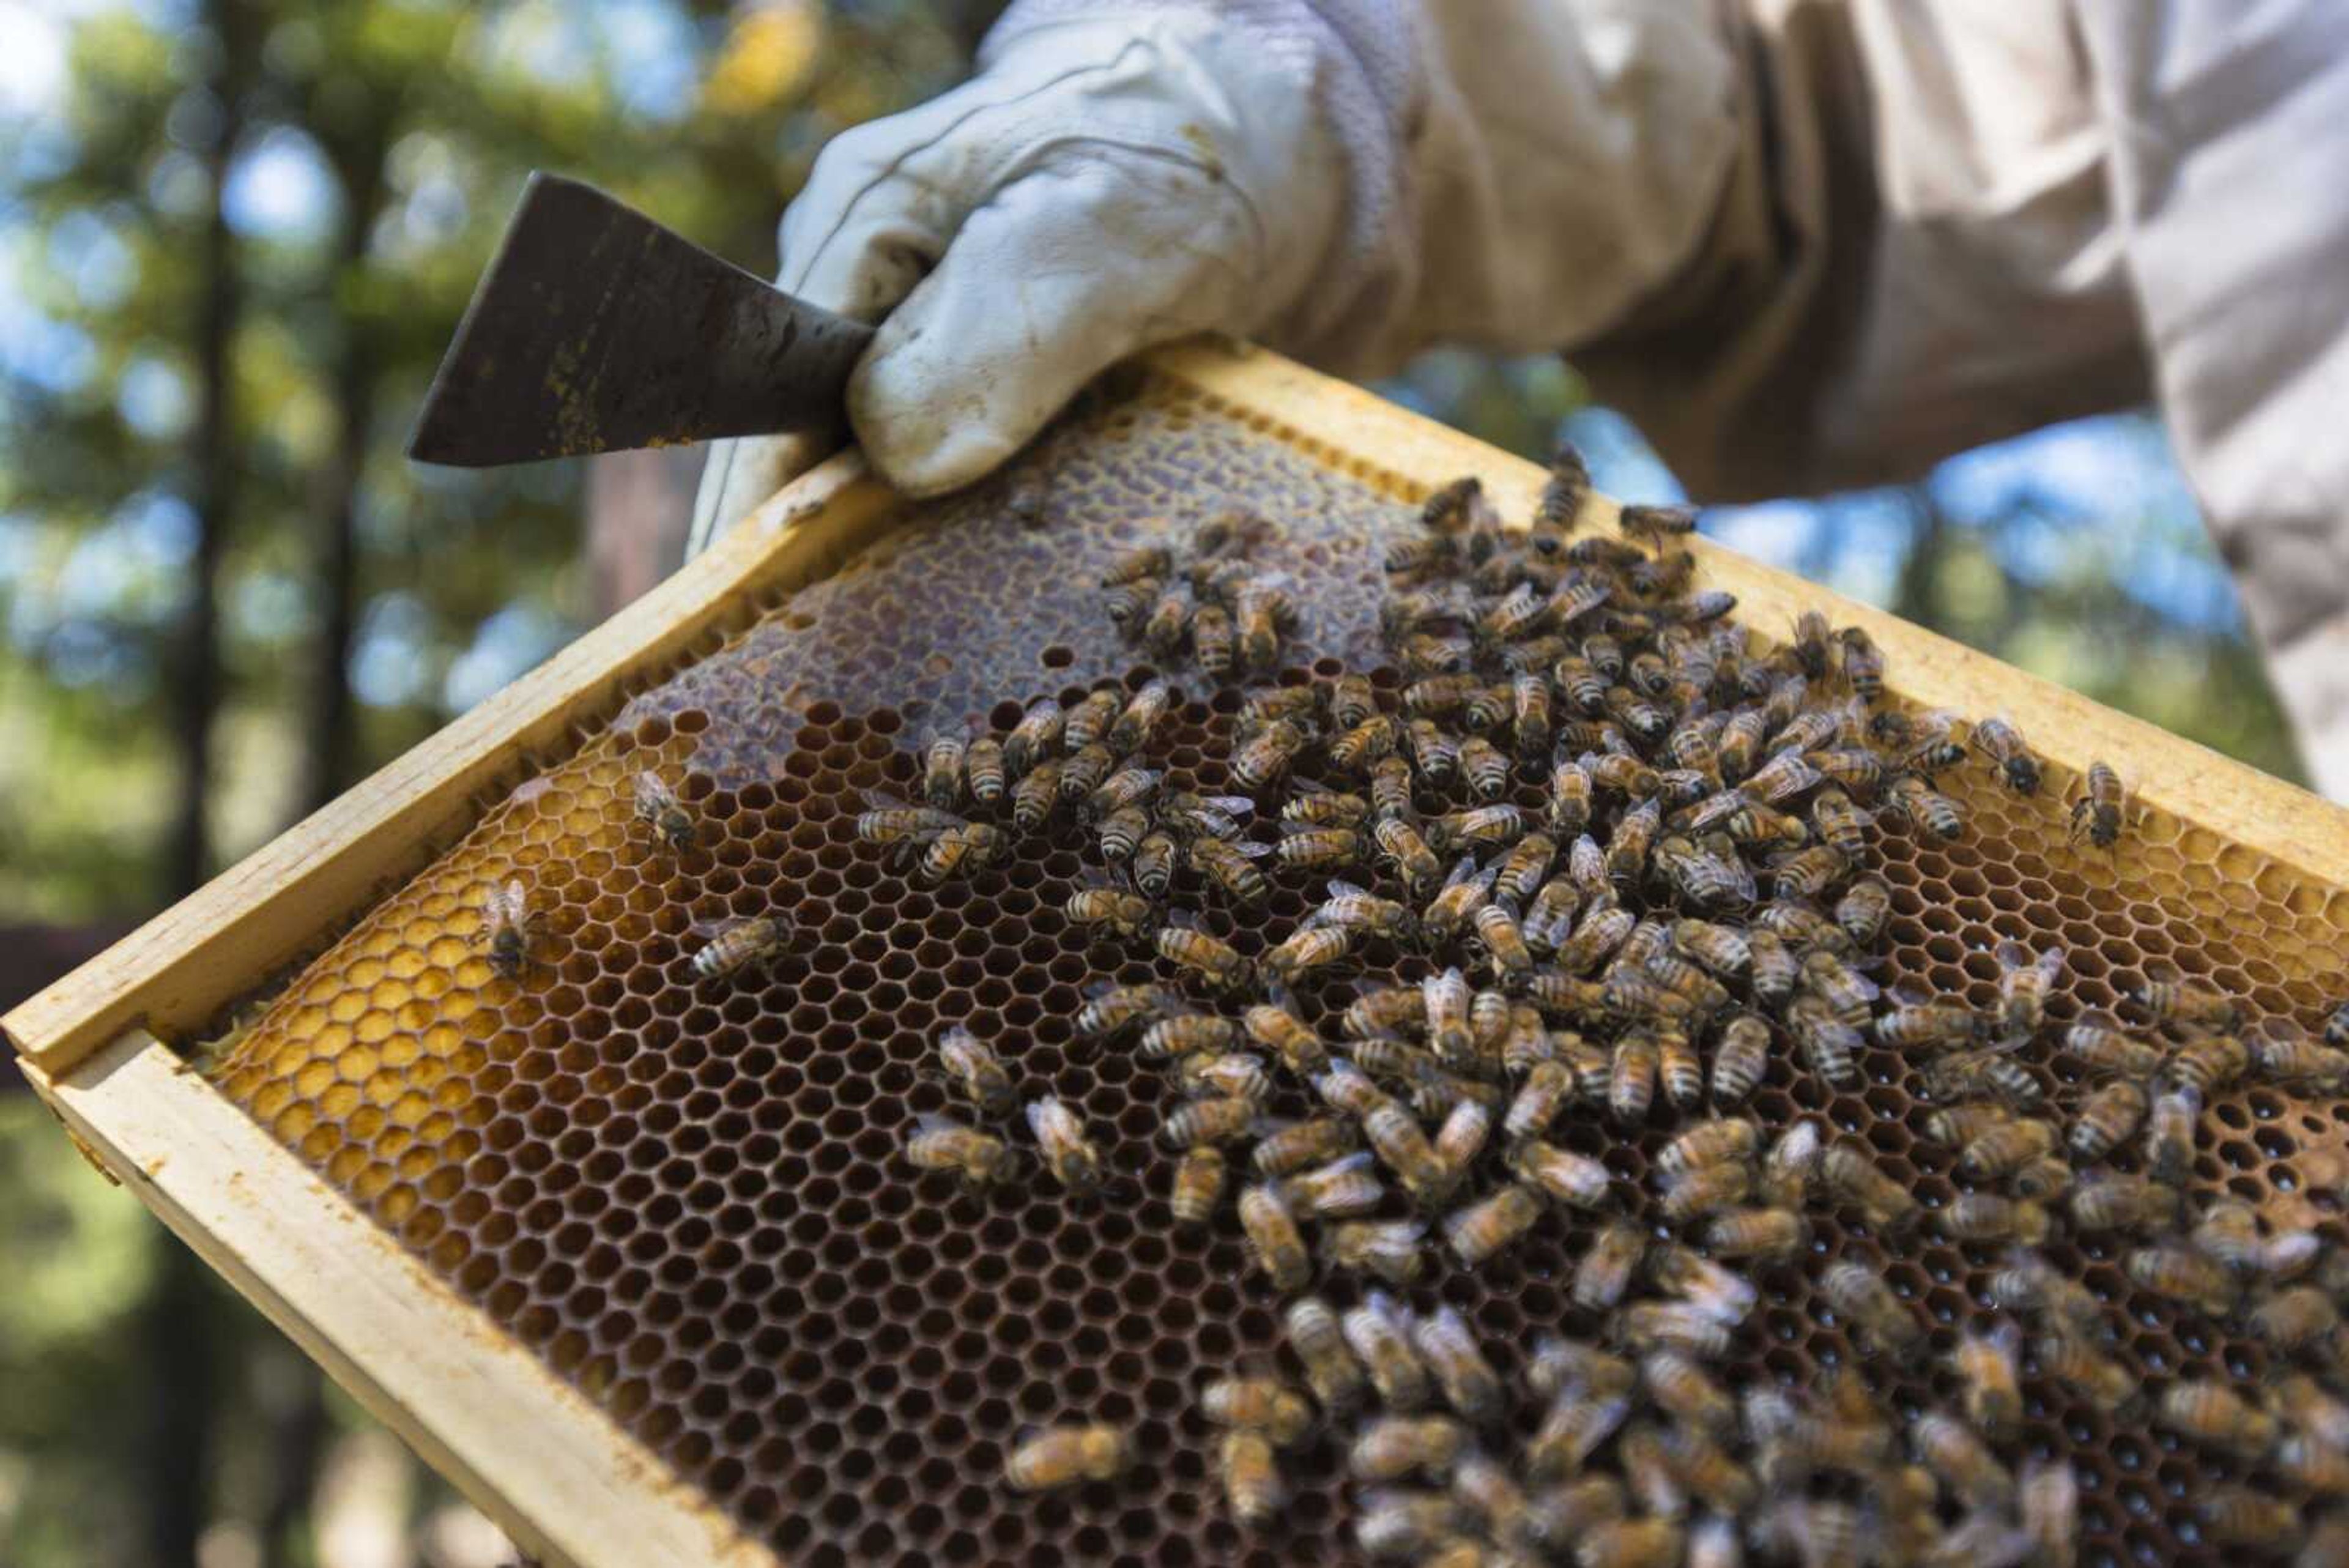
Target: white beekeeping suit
1805,243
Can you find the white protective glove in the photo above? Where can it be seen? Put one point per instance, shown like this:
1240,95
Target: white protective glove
1345,180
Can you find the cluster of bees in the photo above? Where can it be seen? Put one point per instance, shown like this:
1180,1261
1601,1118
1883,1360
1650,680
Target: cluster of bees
1691,903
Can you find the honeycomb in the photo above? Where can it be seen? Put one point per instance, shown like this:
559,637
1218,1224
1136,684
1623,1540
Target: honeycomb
686,1195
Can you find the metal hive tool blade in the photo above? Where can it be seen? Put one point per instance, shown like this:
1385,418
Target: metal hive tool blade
597,329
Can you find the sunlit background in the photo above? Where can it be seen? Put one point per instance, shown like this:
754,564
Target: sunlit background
235,235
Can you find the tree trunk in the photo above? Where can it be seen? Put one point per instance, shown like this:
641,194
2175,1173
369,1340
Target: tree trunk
176,1320
333,759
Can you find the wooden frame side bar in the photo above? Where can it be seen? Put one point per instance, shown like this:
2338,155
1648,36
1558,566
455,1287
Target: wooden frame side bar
551,1468
181,967
2189,782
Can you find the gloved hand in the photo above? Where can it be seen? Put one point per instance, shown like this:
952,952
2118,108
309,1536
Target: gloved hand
1109,180
1345,180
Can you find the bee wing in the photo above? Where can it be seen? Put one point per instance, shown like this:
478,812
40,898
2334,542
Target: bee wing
880,799
1183,920
1343,889
1234,805
1464,871
1908,993
1281,996
958,1036
932,1122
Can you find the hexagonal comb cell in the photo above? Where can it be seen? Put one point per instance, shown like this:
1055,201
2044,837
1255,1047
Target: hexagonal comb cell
685,1192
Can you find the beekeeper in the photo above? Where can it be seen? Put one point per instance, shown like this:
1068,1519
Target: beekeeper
1802,244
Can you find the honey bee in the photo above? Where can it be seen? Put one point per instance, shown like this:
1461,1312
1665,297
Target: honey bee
1624,776
1207,815
985,770
1574,1180
1632,1079
1219,1120
1189,1033
1378,1333
1312,849
1130,604
1391,1524
1141,718
1705,1190
1675,1326
1085,726
2170,997
2002,745
1336,1379
2285,1055
1504,942
1448,1349
1394,1447
2209,1063
738,946
2169,1135
1122,834
1855,1178
1106,904
1793,1158
1141,561
975,1070
2113,1201
1060,1456
1288,1148
1169,617
1198,1188
1035,737
1369,741
657,807
1061,1139
1864,910
1529,715
1266,755
1112,1008
1741,1055
2210,1412
2050,1498
1124,789
1276,1026
1274,1240
1313,805
1766,1233
1305,950
886,820
1829,1043
1345,1188
1989,1070
1461,1138
2185,1275
2229,1233
1863,663
2101,807
1408,853
2087,1372
1035,796
1253,1488
1605,927
1926,1026
1859,1294
1263,1405
2107,1120
514,928
1509,618
1232,868
1916,801
2238,1515
1808,872
1403,1148
1215,641
1605,1273
2006,1148
1990,1217
981,1159
2294,1318
2029,1282
1493,1224
1214,961
2096,1042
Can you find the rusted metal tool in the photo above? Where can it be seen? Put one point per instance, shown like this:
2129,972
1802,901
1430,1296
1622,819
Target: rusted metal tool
597,329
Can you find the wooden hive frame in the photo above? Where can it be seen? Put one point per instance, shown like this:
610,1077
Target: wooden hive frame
538,1456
